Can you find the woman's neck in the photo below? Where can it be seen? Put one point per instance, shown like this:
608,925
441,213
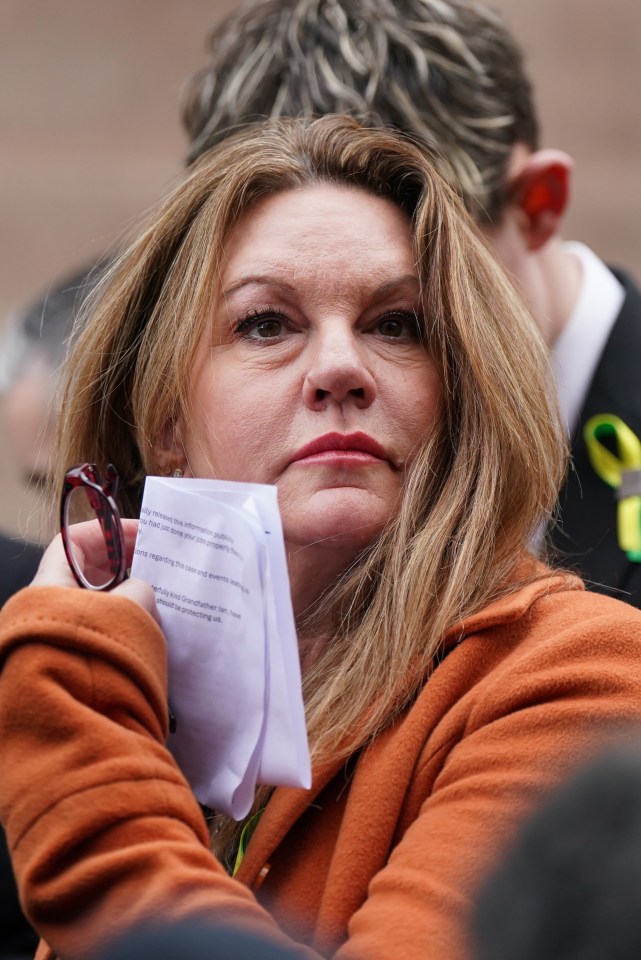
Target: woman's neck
313,570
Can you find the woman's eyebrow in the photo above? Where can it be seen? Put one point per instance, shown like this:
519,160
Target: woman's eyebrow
407,279
389,286
260,279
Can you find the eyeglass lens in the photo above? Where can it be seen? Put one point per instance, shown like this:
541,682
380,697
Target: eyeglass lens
101,564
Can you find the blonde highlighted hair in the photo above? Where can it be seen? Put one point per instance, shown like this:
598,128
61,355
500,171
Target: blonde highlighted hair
485,479
447,73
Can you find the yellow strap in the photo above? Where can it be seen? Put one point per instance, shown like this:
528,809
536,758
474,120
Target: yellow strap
628,526
610,467
607,465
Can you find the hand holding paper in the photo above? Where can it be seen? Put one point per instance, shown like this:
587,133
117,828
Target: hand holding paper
214,554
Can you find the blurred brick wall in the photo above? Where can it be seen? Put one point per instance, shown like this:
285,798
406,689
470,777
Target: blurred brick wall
89,132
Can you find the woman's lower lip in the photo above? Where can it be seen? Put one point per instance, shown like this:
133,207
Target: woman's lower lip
341,458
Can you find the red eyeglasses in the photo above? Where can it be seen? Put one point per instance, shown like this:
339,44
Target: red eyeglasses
85,495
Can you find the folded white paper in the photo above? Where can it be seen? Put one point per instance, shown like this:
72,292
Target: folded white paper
213,551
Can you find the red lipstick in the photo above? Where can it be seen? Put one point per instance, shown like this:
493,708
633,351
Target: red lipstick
342,449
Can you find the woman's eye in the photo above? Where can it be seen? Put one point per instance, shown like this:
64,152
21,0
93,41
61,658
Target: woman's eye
399,326
262,326
267,329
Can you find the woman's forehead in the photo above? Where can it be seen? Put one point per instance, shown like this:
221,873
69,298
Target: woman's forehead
322,223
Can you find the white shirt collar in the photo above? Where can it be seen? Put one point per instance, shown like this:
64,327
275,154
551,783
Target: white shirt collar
577,351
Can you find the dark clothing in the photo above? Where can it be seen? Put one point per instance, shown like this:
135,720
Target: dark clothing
18,564
586,537
194,940
568,886
17,940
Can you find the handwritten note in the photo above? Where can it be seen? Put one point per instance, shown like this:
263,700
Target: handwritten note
214,554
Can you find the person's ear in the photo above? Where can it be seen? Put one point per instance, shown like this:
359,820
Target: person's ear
540,190
169,452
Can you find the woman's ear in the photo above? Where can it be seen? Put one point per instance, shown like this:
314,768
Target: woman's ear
540,190
169,452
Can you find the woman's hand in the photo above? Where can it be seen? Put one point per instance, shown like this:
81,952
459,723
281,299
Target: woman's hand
88,541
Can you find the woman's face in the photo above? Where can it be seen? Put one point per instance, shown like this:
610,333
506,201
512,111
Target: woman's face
313,376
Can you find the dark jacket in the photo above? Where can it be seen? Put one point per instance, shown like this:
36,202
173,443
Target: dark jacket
585,539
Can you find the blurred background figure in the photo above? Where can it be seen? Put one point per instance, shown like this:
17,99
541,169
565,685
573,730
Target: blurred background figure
33,350
31,355
569,886
452,74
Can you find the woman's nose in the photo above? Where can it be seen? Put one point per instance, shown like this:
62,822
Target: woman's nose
338,370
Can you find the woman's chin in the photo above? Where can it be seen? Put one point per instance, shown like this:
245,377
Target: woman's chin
348,518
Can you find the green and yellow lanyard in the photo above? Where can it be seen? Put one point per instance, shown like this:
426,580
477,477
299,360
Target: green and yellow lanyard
245,837
620,470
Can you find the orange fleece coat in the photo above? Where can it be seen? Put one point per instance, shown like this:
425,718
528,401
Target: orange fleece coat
379,859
